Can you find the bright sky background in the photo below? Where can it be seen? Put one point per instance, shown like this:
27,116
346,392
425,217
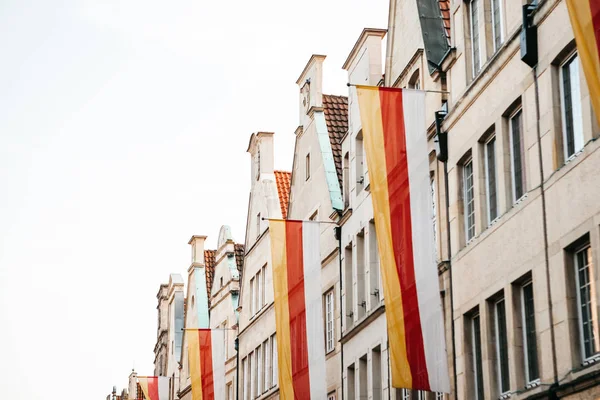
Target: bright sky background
124,126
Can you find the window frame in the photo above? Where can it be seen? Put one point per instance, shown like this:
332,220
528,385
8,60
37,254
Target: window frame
526,344
518,112
468,163
561,69
477,385
486,145
329,320
496,46
472,28
500,375
593,303
307,167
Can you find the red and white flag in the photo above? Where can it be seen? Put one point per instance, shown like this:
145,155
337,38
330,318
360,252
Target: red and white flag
206,356
154,387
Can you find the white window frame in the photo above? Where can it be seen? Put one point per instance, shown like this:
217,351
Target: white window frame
245,389
593,304
259,370
501,9
497,345
329,321
466,199
474,351
259,290
252,297
579,119
512,156
526,344
331,396
274,356
487,179
471,29
439,396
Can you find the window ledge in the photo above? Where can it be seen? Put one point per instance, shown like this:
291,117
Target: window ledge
363,322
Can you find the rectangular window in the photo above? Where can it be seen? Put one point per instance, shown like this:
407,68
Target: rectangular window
490,177
477,361
346,181
331,396
349,286
351,384
245,380
259,290
265,363
362,377
404,394
586,302
496,6
360,274
329,322
529,338
469,200
264,288
517,155
373,266
376,373
259,371
474,30
258,225
229,392
252,383
501,346
359,160
307,166
434,214
252,297
571,106
275,379
439,396
268,361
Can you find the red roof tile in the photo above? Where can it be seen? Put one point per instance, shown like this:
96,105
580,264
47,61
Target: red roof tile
209,263
445,10
283,179
239,256
336,117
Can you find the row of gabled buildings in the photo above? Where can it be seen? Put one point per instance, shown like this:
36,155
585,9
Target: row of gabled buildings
515,215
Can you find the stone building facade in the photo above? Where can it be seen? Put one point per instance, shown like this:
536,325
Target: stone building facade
524,219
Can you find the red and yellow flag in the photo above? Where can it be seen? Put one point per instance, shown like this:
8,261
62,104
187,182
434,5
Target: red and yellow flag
206,357
296,262
393,123
585,20
154,387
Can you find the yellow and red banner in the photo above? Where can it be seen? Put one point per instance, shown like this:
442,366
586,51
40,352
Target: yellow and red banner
298,309
206,357
585,20
154,387
393,124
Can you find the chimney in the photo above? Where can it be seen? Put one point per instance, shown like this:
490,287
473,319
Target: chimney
310,83
197,243
262,157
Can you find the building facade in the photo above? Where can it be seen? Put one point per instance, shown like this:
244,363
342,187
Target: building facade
524,219
269,198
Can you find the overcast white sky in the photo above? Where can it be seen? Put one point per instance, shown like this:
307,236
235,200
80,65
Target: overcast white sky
123,131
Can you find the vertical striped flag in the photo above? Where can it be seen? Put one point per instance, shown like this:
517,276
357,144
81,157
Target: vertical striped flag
296,259
154,387
206,357
393,123
585,20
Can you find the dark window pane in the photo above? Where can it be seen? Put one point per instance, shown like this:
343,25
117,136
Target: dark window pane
517,154
491,175
478,367
529,331
502,346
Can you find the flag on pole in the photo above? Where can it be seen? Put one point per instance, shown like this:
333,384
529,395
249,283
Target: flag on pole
154,387
206,357
393,123
585,20
296,260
